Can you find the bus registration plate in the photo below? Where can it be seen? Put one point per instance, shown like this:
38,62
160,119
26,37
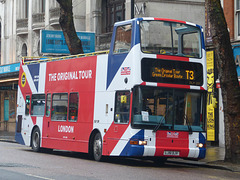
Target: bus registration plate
171,153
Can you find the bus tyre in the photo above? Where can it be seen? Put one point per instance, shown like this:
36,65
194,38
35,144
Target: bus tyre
97,147
36,140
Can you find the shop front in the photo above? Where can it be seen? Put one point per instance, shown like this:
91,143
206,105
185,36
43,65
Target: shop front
8,96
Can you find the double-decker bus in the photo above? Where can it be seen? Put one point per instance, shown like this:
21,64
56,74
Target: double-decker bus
143,98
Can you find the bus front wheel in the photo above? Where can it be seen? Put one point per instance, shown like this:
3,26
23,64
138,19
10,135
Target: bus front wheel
36,140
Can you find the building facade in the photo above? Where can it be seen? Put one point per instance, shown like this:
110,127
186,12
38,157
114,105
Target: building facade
21,22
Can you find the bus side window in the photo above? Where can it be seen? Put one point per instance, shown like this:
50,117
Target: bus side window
123,39
59,107
48,105
122,107
73,107
27,105
38,105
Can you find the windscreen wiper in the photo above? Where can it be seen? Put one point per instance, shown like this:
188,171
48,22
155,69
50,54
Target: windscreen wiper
160,122
188,124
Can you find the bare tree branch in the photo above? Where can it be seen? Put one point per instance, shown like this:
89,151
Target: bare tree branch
66,22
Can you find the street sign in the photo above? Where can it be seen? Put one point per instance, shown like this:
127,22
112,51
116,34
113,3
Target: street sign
53,42
9,68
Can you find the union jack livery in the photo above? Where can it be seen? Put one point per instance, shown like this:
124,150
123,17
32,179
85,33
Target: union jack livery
126,71
143,98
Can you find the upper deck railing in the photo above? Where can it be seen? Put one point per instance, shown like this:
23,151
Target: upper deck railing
35,60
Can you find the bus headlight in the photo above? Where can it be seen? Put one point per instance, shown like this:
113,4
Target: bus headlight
138,142
200,145
142,142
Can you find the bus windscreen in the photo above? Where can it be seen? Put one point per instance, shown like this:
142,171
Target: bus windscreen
170,38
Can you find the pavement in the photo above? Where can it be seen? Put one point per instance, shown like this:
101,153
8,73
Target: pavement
214,156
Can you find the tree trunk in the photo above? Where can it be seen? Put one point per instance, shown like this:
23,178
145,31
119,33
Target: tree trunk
66,22
228,80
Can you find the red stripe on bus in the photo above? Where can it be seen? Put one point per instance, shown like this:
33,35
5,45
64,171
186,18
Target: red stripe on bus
174,20
177,58
173,85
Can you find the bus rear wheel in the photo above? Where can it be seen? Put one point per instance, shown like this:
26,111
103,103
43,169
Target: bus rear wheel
36,140
97,147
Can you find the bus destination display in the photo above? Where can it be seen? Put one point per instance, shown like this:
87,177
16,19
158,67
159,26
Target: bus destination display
175,72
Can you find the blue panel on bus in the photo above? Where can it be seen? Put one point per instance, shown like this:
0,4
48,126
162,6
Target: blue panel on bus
114,63
34,71
136,35
19,138
203,43
134,150
202,151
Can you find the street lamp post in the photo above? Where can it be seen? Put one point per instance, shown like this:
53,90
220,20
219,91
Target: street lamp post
132,9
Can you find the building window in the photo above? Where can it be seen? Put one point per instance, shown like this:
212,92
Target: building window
26,7
42,5
24,50
238,16
115,12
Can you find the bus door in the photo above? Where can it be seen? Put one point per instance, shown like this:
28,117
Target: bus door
47,120
25,116
61,115
121,119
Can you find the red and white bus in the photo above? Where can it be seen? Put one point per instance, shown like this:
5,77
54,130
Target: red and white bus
145,98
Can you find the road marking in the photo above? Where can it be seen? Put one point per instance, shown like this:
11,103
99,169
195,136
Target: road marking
216,177
39,177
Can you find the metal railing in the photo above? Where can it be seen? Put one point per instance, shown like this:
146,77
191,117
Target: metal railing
34,60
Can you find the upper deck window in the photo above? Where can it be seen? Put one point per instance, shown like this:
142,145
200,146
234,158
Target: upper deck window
122,42
170,38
